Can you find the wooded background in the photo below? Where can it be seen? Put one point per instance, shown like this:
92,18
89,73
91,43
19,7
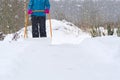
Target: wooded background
84,14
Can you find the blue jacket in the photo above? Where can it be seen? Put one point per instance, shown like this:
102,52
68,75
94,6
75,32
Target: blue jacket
38,5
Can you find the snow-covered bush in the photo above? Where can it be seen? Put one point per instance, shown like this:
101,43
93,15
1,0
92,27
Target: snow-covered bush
118,32
110,30
1,36
95,31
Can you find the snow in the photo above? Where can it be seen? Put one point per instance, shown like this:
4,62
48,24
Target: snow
70,55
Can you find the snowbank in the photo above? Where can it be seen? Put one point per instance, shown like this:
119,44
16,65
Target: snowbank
63,33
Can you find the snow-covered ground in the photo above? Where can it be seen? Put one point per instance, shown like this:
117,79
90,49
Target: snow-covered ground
60,59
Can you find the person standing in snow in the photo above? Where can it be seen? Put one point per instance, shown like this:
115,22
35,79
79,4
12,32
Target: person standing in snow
38,18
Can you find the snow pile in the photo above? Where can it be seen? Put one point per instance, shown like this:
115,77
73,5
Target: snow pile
63,33
66,33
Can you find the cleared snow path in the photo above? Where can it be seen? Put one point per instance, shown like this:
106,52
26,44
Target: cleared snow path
37,59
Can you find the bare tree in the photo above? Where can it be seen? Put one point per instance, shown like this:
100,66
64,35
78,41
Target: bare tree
11,15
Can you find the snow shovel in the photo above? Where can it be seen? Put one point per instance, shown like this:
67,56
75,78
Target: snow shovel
26,25
26,21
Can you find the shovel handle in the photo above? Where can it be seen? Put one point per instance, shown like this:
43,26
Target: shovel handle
38,11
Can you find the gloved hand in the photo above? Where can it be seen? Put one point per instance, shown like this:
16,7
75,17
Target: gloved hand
46,11
30,12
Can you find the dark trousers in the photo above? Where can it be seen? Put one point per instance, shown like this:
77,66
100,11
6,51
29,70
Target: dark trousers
38,26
